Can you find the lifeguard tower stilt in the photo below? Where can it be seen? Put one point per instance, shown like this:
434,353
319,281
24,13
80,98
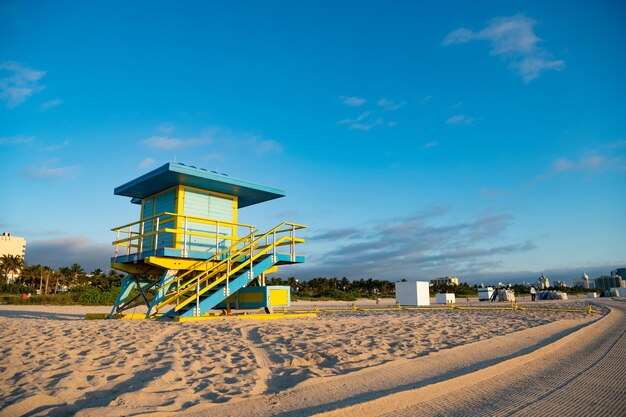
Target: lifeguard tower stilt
187,254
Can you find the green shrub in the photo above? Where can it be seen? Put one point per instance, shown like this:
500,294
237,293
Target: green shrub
335,294
93,296
15,289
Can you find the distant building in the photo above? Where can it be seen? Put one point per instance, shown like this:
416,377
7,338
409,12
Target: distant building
609,281
14,246
582,281
561,284
621,272
445,281
543,282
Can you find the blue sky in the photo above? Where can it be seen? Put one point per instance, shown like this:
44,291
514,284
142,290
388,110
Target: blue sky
414,139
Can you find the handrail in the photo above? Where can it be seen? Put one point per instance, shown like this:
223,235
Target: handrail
223,278
212,259
206,275
191,284
132,235
167,213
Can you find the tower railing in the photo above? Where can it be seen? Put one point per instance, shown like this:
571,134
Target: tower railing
234,261
177,231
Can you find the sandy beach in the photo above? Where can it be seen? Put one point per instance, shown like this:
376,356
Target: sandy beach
55,363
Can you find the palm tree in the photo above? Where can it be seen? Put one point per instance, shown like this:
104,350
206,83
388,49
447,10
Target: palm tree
11,265
77,274
29,275
49,272
62,278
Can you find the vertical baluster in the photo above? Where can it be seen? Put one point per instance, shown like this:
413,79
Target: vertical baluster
156,235
185,237
293,243
141,230
197,312
130,239
217,238
117,237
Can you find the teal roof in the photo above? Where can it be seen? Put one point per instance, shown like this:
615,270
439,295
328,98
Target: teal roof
173,173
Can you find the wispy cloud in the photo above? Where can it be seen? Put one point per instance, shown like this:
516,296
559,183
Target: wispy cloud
419,244
50,104
147,163
426,99
492,192
65,251
389,105
169,143
47,172
18,82
590,163
460,119
616,145
430,144
165,128
352,101
262,147
16,140
55,146
512,38
364,121
336,234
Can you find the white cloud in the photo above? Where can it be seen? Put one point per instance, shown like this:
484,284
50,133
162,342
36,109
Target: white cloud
352,101
430,144
262,147
56,146
512,38
427,99
389,105
362,122
50,104
147,163
562,164
460,119
590,163
18,82
616,145
16,140
45,172
165,128
169,143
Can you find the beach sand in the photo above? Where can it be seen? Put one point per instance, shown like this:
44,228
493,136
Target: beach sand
53,362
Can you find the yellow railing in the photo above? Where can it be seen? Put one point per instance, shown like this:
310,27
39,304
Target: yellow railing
234,260
196,266
143,235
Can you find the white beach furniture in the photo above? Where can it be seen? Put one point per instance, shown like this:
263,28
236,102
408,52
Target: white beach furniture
484,294
445,298
413,293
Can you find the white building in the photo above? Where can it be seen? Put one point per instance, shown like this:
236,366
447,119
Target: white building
543,282
14,246
445,281
582,281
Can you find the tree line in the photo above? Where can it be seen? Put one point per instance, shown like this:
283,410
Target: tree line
42,279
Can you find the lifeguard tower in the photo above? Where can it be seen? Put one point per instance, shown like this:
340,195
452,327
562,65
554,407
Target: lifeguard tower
187,254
